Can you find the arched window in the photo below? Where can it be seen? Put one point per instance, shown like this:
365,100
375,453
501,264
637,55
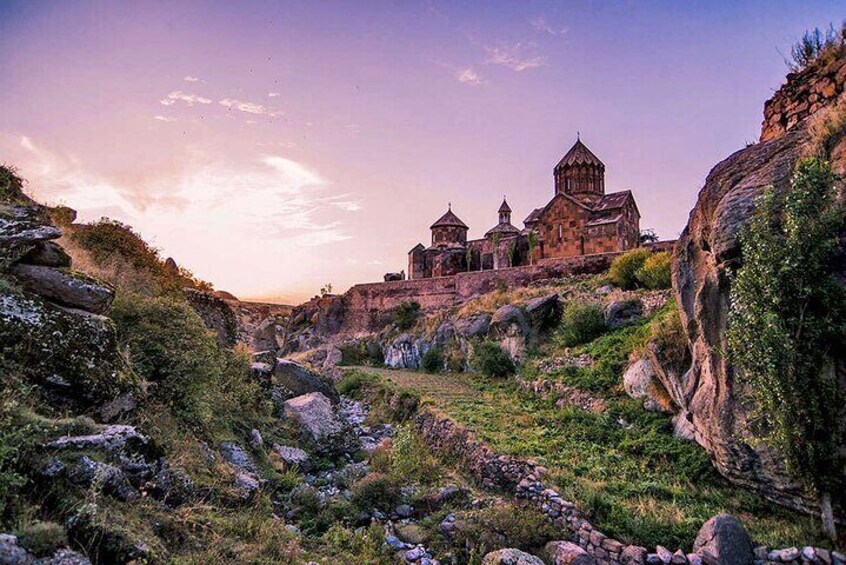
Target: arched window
560,232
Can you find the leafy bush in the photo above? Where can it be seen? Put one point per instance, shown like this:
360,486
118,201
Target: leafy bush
169,345
11,185
654,274
817,45
354,382
375,490
433,360
365,352
124,259
786,318
492,361
670,339
504,525
405,315
410,457
623,271
582,323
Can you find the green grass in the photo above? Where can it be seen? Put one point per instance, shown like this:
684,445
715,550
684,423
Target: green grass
623,467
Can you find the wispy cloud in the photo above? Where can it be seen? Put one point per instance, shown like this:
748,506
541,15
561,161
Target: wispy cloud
189,78
248,107
271,200
517,57
469,76
164,118
355,128
179,96
273,95
540,24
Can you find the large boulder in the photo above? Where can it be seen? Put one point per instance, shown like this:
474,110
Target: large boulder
22,229
544,312
11,553
48,254
510,556
292,379
721,410
406,352
567,553
216,314
65,287
623,312
510,326
640,382
473,326
319,422
722,540
74,353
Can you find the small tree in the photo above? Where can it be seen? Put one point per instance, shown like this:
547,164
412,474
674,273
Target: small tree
648,235
497,237
326,289
533,243
512,252
468,255
786,316
405,315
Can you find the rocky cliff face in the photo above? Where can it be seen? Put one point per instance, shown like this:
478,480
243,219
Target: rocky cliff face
716,401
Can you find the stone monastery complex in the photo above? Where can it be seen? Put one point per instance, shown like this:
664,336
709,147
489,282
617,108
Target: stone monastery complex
580,219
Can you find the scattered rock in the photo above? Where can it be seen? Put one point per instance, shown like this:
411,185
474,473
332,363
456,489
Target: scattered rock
292,456
48,254
111,439
641,382
510,327
567,553
544,312
256,441
723,540
473,326
65,287
294,379
623,312
318,420
236,456
510,557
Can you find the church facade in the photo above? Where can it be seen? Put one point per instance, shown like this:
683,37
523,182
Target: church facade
580,219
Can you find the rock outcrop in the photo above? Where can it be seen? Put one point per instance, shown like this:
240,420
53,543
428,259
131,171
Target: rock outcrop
216,315
717,402
723,540
510,557
290,379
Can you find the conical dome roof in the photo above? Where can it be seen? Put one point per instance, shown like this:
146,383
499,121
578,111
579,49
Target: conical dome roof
579,154
504,207
449,220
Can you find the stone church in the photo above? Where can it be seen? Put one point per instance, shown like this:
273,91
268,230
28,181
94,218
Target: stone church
580,219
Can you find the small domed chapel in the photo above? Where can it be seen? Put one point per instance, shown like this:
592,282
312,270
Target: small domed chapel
580,219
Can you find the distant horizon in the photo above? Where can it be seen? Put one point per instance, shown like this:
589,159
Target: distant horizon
275,149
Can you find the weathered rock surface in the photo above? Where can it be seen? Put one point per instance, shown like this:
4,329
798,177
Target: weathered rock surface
47,254
405,352
473,326
722,540
544,312
641,382
510,326
74,352
11,553
318,420
567,553
64,287
623,312
216,315
292,456
22,228
510,557
717,401
292,379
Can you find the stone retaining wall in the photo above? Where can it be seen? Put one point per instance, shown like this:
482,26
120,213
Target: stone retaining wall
363,300
805,92
523,478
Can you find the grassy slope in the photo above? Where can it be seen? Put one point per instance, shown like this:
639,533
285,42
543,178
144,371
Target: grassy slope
623,466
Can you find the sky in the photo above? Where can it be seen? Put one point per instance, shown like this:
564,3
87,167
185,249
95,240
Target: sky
274,147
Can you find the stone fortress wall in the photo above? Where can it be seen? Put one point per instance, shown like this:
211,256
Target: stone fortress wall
444,292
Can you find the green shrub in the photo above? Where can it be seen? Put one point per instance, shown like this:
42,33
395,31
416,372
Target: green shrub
410,457
817,45
354,382
433,360
582,323
786,320
623,271
43,538
365,352
168,344
492,361
11,186
655,272
375,490
670,339
405,315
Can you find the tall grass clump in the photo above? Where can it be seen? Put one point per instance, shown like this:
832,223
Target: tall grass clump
624,269
582,322
818,46
654,274
492,360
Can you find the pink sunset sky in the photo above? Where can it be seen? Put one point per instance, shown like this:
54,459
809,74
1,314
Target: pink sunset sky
274,147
